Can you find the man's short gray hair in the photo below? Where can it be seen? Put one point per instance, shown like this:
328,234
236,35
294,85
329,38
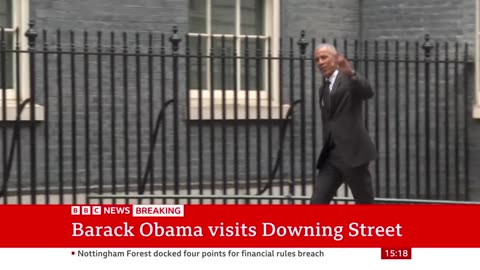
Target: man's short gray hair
328,46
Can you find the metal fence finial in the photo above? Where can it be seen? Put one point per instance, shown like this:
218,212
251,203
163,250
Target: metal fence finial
31,34
302,42
175,39
427,46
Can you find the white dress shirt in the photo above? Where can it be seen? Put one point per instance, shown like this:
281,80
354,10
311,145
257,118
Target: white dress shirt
331,79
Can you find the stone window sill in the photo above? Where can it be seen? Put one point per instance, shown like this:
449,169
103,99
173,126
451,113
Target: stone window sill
240,112
476,111
11,113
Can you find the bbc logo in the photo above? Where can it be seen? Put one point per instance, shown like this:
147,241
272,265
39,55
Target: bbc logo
86,210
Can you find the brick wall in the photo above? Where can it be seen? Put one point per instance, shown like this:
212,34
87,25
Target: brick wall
452,21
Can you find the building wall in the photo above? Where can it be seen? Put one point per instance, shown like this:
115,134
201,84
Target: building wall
111,15
382,21
320,19
452,21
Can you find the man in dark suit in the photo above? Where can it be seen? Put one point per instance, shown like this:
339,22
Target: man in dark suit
347,148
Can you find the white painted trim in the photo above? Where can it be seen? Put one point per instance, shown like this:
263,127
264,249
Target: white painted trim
476,110
266,111
228,93
272,32
20,21
22,28
238,16
227,35
21,11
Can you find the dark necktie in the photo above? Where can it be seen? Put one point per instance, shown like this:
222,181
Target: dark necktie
326,94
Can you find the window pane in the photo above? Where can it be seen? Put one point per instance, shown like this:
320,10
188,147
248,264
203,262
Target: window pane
256,65
198,68
253,14
8,56
6,13
223,16
223,66
197,16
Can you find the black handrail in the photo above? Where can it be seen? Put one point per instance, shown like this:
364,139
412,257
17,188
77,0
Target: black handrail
149,167
283,132
15,139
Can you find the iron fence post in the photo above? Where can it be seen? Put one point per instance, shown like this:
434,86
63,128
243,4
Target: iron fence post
31,35
175,41
302,44
427,47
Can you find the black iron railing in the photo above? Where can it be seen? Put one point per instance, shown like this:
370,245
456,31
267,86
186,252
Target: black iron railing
115,117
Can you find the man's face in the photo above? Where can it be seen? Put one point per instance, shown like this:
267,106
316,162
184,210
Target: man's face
326,61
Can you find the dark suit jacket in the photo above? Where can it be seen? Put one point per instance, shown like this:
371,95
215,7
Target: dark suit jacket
343,124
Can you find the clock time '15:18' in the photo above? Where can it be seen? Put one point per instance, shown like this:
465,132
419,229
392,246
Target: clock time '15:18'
396,253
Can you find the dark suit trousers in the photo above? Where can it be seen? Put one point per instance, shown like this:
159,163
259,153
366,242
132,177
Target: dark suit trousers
331,176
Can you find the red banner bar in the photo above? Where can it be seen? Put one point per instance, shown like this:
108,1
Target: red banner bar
394,226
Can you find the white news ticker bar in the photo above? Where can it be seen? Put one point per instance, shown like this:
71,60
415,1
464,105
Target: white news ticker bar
158,210
234,258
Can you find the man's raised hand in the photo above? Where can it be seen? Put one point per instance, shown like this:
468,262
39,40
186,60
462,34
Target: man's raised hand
343,65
